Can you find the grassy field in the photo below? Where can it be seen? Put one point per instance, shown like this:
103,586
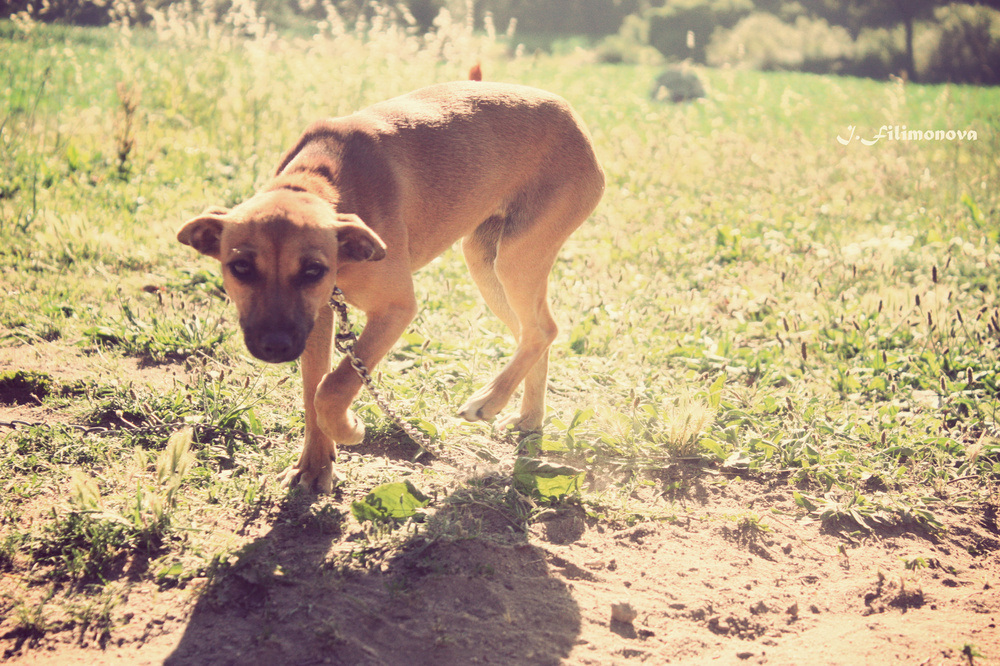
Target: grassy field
752,299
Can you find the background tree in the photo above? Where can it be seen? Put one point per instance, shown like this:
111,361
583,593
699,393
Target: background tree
858,14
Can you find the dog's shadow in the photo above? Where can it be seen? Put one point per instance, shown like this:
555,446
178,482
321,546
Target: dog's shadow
468,587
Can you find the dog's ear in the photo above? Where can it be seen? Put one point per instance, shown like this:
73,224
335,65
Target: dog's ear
203,232
356,241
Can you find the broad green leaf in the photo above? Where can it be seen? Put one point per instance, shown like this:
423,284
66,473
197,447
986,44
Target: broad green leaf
803,501
390,501
546,480
714,447
715,391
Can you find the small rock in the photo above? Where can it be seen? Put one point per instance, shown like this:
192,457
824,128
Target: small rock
623,612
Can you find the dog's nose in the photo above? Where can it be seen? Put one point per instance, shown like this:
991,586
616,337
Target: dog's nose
276,345
278,341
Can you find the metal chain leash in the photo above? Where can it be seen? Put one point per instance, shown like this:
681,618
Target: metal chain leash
18,424
204,428
344,340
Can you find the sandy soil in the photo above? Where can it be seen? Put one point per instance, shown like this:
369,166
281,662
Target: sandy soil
707,586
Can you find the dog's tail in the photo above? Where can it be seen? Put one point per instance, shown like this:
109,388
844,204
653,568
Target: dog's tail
476,73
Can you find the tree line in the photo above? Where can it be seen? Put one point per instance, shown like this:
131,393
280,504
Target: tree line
968,39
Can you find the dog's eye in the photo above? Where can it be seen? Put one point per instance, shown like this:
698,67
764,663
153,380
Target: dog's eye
242,269
313,273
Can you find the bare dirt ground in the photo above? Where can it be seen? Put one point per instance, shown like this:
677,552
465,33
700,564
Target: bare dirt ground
729,573
703,587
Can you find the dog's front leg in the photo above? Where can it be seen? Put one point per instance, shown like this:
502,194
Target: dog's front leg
338,389
314,470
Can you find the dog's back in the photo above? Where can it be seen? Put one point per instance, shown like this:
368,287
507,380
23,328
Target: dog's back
493,130
464,122
483,148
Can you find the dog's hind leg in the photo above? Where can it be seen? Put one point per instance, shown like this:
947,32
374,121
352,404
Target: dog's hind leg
480,249
510,262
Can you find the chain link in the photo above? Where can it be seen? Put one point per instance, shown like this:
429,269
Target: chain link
204,428
344,341
18,424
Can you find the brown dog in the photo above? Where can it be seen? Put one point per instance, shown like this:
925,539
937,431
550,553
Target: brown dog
362,202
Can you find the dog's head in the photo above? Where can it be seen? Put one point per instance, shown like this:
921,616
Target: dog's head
280,252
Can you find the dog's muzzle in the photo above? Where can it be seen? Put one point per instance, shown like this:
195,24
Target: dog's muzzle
275,344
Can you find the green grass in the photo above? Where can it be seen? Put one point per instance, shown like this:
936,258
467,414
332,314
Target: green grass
751,297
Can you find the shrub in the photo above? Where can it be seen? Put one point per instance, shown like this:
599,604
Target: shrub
682,29
964,46
765,42
630,45
878,53
581,17
678,85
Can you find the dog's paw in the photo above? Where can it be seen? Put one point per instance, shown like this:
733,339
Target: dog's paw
349,431
481,406
354,435
525,423
309,479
